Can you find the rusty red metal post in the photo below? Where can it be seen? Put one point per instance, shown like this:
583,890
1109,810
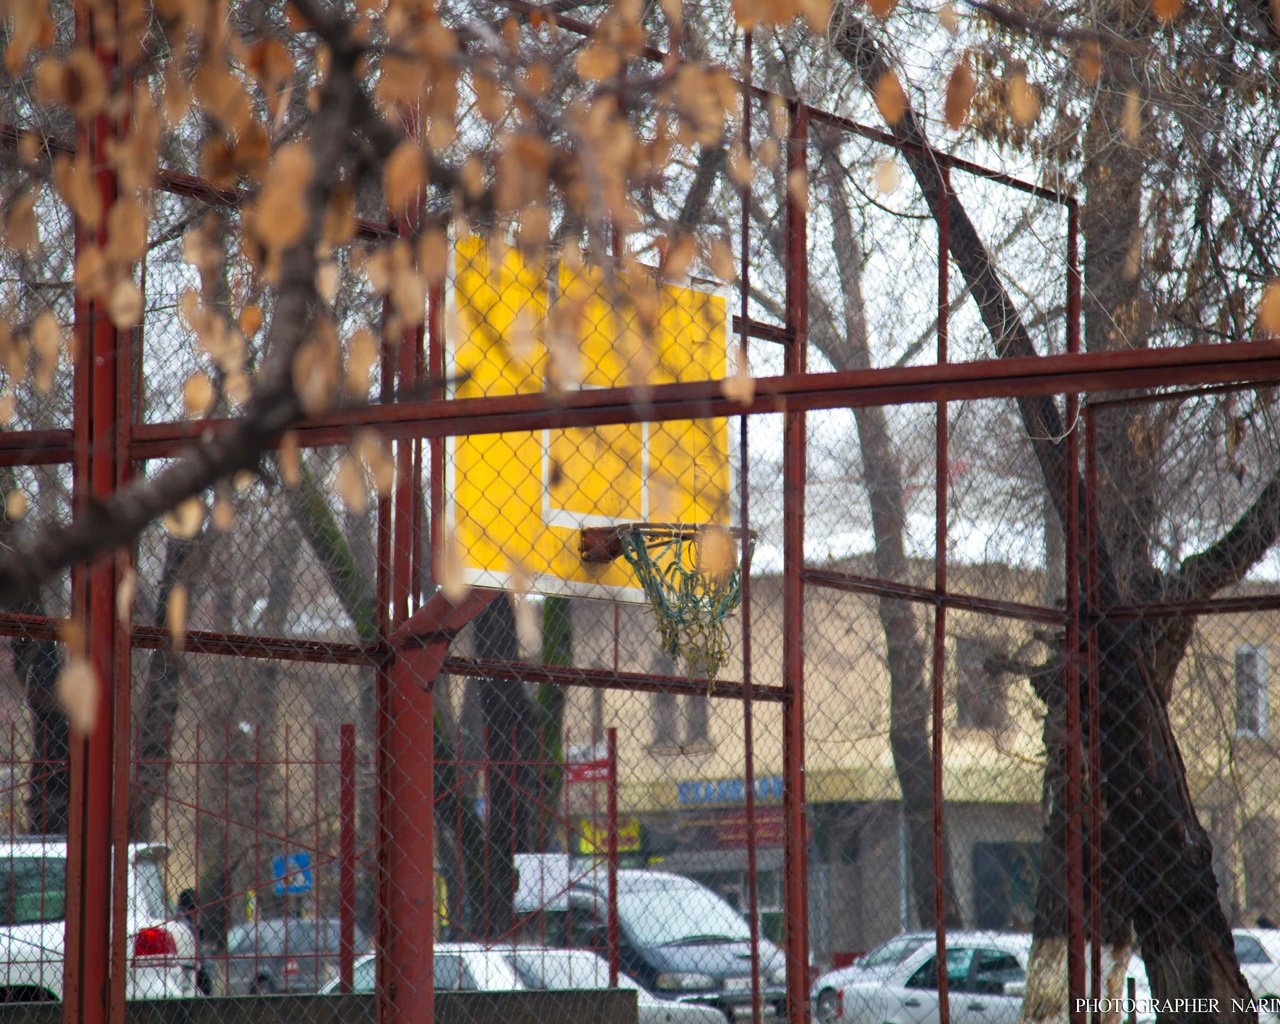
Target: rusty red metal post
97,804
939,662
611,815
795,838
346,856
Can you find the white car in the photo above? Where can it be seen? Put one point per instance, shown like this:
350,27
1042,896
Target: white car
541,968
979,966
33,885
1258,950
824,993
458,967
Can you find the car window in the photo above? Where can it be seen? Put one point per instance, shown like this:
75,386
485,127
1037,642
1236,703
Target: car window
543,969
671,913
448,972
991,970
151,896
363,976
926,976
894,951
240,939
33,889
1249,950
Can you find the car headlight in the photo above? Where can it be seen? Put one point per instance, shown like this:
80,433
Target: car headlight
683,981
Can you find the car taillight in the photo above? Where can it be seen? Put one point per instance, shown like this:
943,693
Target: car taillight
839,1004
154,942
291,968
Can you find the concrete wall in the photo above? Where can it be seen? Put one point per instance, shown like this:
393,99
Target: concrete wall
618,1007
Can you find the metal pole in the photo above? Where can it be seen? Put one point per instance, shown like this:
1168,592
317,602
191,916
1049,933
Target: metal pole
92,991
346,856
795,833
1076,985
611,811
940,611
744,513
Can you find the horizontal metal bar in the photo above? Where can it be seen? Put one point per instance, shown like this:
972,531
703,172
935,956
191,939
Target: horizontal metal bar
1207,606
35,627
856,584
1156,397
35,447
604,679
275,648
982,379
762,330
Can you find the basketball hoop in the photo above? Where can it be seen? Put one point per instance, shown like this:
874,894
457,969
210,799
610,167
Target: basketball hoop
691,576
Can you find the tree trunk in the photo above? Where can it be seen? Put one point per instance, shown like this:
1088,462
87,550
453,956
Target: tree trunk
1167,875
909,697
159,711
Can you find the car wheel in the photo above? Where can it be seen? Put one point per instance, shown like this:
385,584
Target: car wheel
828,1007
263,986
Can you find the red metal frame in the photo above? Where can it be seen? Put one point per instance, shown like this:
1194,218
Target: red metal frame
411,645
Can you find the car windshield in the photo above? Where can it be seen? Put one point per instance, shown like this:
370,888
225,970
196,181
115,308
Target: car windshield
894,951
560,970
32,890
668,915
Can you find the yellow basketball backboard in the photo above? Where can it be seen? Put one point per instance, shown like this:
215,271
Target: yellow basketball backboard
517,501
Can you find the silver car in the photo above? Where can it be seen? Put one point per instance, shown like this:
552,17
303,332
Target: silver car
577,969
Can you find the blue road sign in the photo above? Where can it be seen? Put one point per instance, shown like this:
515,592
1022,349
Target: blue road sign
292,873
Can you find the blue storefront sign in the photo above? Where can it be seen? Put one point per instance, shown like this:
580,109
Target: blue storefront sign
726,791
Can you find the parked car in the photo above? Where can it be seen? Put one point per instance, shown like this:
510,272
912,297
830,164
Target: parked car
676,938
541,968
823,996
295,954
1258,950
33,881
458,967
986,980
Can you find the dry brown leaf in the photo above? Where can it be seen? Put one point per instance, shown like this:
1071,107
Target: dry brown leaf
404,175
376,456
8,408
15,504
125,591
433,255
949,19
184,522
598,61
721,260
817,15
328,278
77,692
960,91
282,206
741,170
798,187
739,386
175,617
46,340
250,320
351,486
1166,10
450,571
886,174
717,553
290,460
125,304
361,358
882,8
1023,99
891,101
21,228
198,394
84,85
224,515
1089,61
1132,117
1269,311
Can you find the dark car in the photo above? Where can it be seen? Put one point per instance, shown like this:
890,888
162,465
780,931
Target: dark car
285,955
680,940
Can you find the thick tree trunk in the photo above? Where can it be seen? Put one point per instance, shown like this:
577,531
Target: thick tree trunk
161,699
1168,871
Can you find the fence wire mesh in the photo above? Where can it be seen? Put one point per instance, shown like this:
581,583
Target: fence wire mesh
998,672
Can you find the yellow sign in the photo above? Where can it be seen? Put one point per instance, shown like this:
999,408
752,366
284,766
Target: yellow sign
594,839
517,501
